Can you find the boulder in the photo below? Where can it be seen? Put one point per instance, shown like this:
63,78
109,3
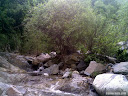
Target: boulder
94,67
35,62
3,87
5,64
76,85
8,77
16,60
43,57
71,60
54,69
40,59
110,84
121,68
81,66
11,90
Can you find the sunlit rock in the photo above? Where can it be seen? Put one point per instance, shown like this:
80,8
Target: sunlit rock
110,83
94,67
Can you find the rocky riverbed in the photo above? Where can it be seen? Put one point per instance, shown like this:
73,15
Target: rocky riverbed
16,81
18,78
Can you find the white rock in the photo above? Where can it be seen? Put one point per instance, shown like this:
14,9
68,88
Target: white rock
110,83
66,75
46,74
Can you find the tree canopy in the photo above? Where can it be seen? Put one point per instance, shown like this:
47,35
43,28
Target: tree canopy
69,25
64,26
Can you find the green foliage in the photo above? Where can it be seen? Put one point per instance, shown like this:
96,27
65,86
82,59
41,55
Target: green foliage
63,26
123,20
70,25
3,41
108,36
60,21
12,13
94,57
122,55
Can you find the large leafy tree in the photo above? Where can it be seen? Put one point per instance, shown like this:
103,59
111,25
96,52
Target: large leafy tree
12,13
70,24
60,21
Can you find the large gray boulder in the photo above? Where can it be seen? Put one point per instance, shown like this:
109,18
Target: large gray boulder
5,64
111,84
77,85
8,77
54,69
16,60
10,73
43,57
3,87
121,68
10,90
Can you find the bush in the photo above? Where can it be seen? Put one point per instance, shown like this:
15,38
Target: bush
61,22
65,26
122,55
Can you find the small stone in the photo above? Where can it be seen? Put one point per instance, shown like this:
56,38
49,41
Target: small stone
46,74
75,74
66,75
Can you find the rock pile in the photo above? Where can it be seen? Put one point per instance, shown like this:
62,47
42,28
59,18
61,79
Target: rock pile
17,82
111,84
